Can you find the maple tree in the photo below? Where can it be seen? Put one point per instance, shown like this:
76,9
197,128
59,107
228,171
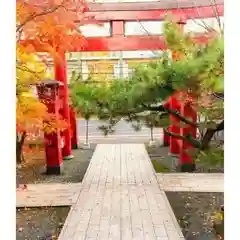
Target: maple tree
52,26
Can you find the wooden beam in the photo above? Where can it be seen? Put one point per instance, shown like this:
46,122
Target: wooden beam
119,43
157,14
138,6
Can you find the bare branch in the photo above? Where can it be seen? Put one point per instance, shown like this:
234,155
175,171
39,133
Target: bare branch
216,13
203,24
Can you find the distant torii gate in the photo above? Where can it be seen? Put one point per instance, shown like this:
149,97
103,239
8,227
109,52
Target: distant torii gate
117,14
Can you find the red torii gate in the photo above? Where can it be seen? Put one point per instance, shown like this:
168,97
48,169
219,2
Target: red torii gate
117,14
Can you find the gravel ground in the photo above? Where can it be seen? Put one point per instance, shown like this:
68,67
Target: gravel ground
194,212
40,223
73,170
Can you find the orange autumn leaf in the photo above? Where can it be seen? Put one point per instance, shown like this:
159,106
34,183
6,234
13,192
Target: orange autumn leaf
50,24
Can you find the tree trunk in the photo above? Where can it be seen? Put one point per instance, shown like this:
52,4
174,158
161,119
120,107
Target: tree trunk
87,121
151,131
209,135
19,147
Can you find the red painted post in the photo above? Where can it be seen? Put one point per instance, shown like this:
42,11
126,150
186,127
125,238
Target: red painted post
60,67
117,28
175,126
48,93
186,160
73,122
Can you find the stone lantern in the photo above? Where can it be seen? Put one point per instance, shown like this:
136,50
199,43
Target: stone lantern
48,93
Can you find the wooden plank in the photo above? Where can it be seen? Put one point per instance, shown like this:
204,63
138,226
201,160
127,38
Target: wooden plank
191,182
39,195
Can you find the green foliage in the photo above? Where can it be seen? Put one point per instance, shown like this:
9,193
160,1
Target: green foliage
154,119
213,112
175,40
80,93
212,157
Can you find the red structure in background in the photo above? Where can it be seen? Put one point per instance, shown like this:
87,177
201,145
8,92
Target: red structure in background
60,67
185,157
175,105
117,14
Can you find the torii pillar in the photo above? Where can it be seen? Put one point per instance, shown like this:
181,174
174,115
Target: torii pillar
186,158
186,109
60,69
174,104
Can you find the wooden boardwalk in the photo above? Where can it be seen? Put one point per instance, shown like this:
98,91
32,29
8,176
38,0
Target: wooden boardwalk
120,199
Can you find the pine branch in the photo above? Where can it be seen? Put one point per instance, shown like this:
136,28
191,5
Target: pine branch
191,140
181,118
161,108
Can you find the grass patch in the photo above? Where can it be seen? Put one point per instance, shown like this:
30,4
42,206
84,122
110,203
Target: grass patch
159,167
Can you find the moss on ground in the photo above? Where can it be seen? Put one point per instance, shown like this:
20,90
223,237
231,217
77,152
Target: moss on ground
159,167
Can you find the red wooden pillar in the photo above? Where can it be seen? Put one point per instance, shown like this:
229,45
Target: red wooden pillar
60,67
175,126
73,122
186,159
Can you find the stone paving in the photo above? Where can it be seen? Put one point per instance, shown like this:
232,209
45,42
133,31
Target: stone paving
39,195
120,199
191,182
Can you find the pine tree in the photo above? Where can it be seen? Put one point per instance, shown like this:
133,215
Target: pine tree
199,72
